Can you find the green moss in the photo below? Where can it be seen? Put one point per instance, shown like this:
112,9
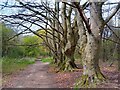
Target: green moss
84,81
65,66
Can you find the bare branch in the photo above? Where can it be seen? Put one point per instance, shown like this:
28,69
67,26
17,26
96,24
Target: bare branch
113,13
112,31
37,44
83,17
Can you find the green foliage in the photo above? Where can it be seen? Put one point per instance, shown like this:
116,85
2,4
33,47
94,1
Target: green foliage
11,65
48,59
16,52
8,48
36,48
76,87
32,50
109,51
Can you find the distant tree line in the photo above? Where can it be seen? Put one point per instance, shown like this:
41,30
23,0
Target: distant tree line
20,46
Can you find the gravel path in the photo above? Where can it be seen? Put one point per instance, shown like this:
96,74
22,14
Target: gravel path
34,76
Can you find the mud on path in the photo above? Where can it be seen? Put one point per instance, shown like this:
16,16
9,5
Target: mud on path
34,76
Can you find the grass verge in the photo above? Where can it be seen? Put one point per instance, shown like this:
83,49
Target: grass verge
48,59
12,65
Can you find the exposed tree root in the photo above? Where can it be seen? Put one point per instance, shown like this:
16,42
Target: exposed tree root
86,81
67,66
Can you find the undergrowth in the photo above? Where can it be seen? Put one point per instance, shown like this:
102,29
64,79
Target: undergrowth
48,59
11,65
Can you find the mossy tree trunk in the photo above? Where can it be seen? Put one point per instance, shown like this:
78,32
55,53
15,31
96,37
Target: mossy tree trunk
90,59
118,46
70,46
90,43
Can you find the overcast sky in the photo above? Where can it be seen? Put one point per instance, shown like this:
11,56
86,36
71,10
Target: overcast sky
9,11
13,10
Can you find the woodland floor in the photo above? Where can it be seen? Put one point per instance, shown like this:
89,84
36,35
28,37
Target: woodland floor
41,75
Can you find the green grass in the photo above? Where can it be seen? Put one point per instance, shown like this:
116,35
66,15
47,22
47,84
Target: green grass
11,65
48,59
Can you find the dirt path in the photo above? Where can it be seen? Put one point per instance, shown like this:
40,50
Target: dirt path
40,75
34,76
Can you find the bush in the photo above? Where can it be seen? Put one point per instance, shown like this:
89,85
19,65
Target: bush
16,52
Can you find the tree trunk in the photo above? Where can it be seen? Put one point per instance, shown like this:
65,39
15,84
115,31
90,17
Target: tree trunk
90,49
70,60
56,26
118,54
68,63
72,38
118,46
90,59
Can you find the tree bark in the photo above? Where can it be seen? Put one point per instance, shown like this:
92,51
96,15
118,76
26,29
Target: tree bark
90,59
90,49
72,38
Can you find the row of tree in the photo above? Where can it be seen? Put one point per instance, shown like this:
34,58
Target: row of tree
67,28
